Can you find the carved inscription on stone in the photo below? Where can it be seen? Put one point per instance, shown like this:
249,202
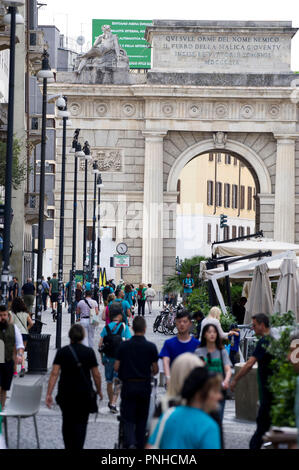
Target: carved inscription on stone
212,52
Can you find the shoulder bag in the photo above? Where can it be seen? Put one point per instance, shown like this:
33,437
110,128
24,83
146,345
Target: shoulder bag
157,442
94,319
93,405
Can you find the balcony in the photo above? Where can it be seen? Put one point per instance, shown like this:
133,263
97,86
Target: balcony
36,48
32,208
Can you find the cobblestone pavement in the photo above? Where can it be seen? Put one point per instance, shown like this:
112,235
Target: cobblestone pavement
102,433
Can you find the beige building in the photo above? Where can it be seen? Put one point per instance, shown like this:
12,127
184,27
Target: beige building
210,185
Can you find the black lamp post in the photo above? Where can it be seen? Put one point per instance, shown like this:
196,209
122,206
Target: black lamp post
93,248
44,74
99,186
10,18
86,150
62,106
77,151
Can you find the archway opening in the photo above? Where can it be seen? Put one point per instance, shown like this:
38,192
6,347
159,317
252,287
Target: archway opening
213,183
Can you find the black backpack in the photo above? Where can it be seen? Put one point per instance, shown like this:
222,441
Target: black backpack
111,342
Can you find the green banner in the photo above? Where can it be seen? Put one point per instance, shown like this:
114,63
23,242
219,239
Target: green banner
130,35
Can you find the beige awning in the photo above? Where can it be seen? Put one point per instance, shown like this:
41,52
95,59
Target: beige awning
247,247
260,298
287,294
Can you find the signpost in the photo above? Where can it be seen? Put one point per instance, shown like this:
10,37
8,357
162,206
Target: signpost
130,35
121,261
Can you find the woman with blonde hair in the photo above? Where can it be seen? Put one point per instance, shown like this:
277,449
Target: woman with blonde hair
213,318
180,369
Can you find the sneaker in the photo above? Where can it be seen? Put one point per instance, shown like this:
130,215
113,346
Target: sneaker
15,374
112,408
22,373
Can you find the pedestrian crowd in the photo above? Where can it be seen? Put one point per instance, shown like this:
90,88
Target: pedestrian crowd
197,367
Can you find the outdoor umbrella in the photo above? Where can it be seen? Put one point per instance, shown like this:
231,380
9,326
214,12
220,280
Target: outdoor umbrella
287,294
260,297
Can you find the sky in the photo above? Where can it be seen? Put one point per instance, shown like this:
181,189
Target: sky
73,18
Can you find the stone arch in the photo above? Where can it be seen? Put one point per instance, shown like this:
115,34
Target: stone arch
255,164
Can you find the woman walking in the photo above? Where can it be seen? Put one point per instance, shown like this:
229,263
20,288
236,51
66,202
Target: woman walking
21,318
190,426
73,365
83,311
216,357
141,299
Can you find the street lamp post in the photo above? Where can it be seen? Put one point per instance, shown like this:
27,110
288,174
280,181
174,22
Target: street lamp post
95,172
9,18
99,186
86,150
62,106
76,149
44,74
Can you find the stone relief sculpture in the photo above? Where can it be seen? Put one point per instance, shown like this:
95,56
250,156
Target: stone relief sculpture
106,62
110,160
220,139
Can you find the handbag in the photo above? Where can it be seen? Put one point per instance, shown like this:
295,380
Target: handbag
94,319
93,405
157,442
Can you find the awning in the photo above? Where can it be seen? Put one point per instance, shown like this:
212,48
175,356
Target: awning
247,247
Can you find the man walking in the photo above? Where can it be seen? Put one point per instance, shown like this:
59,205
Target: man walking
261,326
11,337
150,295
28,291
120,297
136,363
188,285
181,343
45,292
54,293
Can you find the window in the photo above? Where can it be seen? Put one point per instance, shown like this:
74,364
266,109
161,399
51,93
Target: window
235,161
218,194
89,233
249,199
217,233
241,231
227,159
226,233
211,157
51,213
234,231
178,188
254,200
226,195
234,196
209,237
210,193
248,230
242,195
219,157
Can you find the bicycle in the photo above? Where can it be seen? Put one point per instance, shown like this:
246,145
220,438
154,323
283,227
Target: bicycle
157,326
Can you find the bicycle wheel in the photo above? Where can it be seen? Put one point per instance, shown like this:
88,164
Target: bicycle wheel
160,325
156,323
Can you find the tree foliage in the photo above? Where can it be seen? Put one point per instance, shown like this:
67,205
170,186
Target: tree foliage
18,167
282,382
174,283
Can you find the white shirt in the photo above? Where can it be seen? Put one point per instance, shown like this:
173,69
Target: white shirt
150,292
19,339
84,309
215,322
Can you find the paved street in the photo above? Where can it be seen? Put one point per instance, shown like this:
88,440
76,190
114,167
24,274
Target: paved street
101,434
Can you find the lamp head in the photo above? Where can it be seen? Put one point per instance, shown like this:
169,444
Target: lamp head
45,71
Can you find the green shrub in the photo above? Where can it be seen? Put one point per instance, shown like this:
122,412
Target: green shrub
282,383
19,168
174,283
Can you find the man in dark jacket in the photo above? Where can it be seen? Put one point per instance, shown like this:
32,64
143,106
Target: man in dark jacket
135,363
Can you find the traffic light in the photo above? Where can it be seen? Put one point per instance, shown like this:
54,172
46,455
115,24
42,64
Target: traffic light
223,220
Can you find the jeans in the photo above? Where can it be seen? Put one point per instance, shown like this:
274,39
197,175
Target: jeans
141,307
263,422
135,400
74,430
44,297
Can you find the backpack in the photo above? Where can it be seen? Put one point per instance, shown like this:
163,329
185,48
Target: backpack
106,292
111,342
140,294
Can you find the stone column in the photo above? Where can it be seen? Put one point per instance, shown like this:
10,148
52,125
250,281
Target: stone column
152,244
284,211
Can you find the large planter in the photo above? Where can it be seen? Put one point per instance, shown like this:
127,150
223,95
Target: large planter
281,438
246,394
